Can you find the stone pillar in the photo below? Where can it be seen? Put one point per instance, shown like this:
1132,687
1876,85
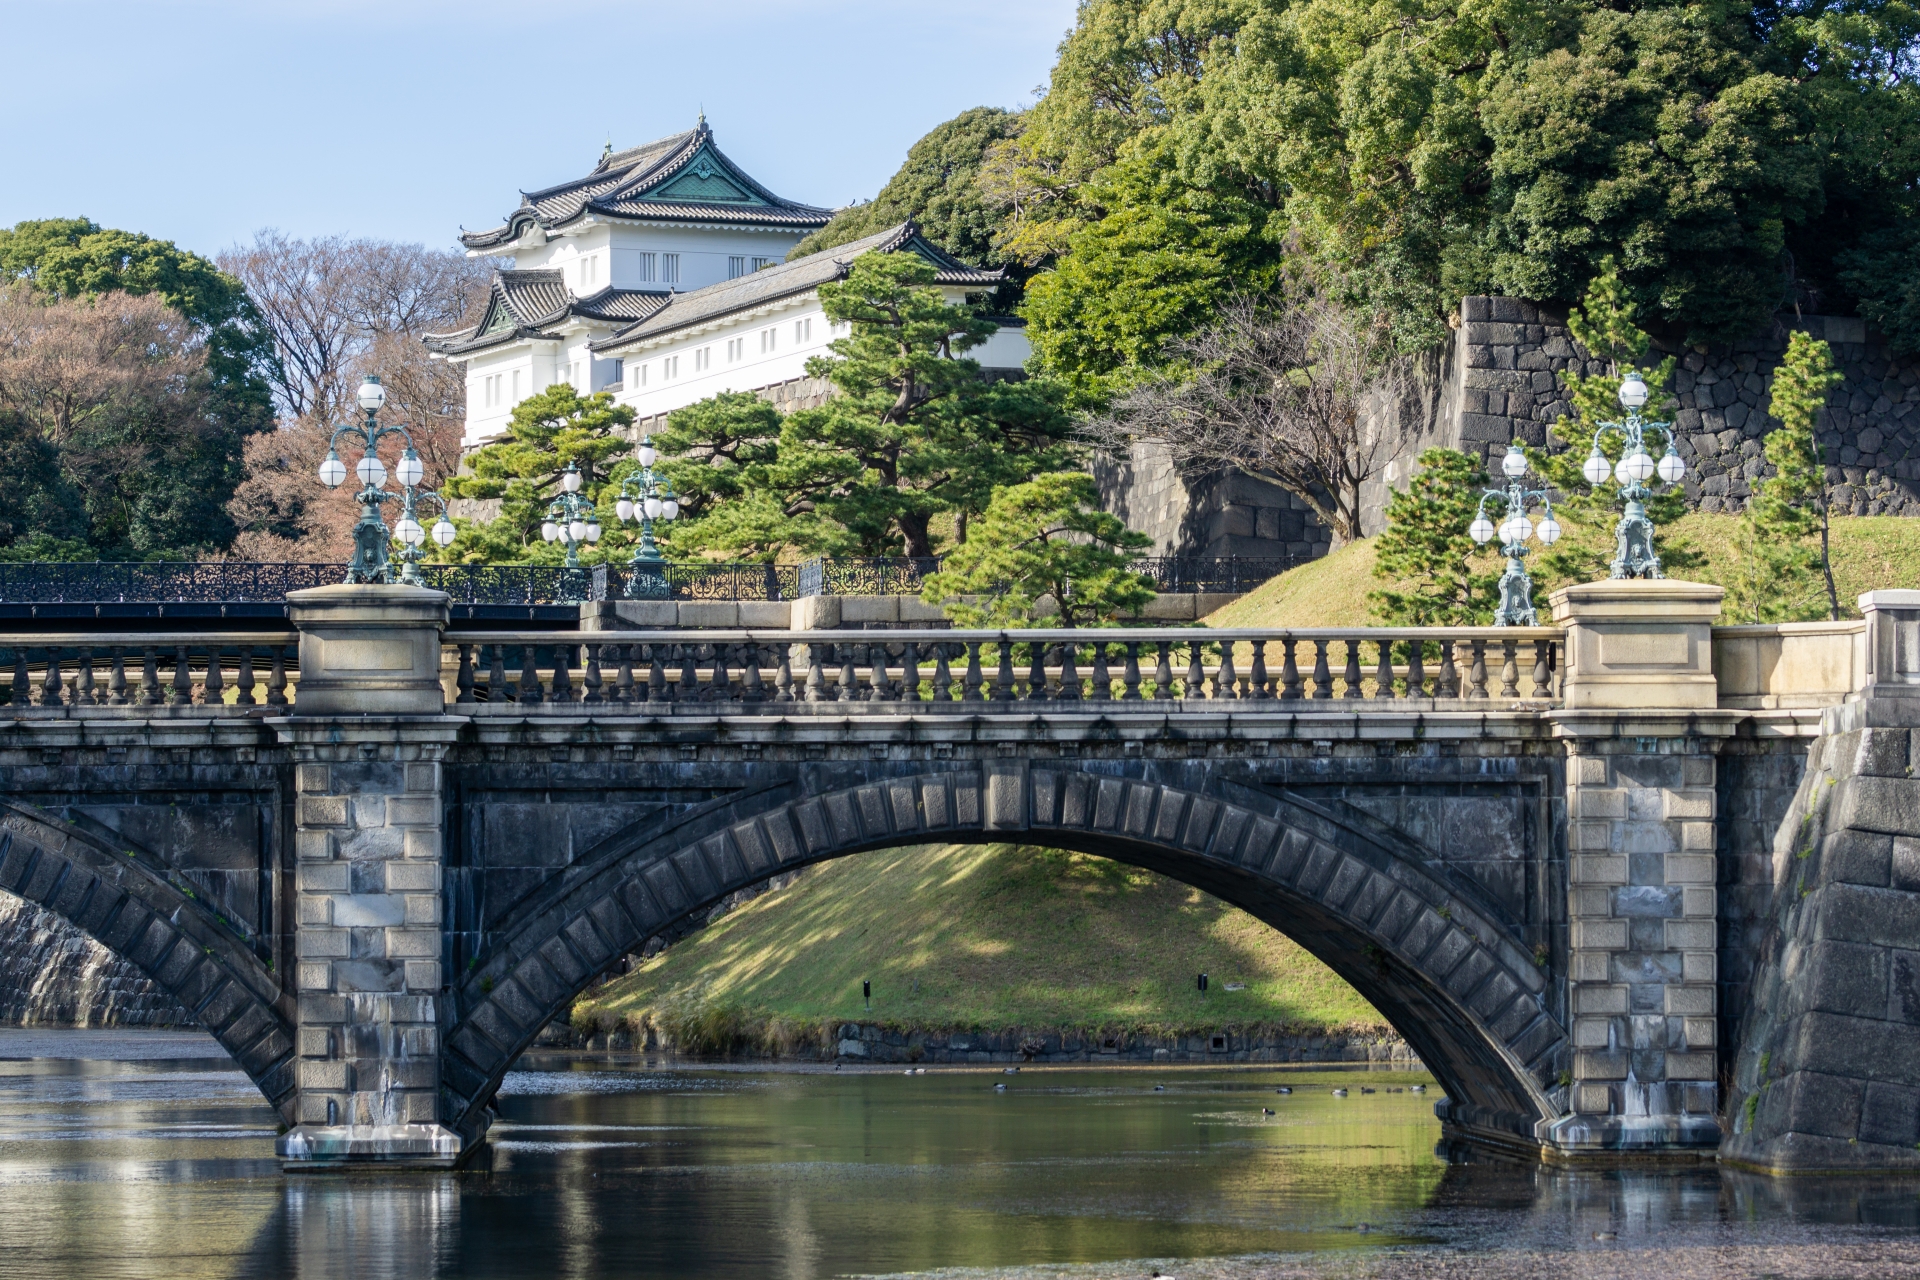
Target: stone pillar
368,739
1639,721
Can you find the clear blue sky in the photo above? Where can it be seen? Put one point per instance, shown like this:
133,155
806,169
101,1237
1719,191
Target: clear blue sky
200,121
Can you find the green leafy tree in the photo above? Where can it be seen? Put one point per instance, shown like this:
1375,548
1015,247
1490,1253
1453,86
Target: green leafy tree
1784,575
1437,574
1603,326
939,188
1723,155
548,430
1043,541
912,435
1153,260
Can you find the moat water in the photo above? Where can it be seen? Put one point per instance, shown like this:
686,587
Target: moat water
148,1154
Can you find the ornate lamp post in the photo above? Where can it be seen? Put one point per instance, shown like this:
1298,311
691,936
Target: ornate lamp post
1516,587
370,537
571,520
1634,556
412,536
652,499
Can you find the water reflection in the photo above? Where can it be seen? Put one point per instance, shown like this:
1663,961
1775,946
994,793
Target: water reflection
116,1161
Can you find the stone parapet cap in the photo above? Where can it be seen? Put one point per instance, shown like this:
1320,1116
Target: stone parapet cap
1637,599
368,604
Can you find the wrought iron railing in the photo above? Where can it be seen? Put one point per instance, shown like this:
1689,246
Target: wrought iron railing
222,582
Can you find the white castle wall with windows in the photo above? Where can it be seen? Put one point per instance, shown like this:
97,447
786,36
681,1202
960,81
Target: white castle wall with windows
662,277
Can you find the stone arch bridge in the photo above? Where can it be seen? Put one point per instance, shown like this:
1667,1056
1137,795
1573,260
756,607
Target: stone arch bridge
374,856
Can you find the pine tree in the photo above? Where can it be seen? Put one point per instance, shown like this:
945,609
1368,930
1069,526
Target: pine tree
1046,539
547,431
1603,326
1784,576
1439,575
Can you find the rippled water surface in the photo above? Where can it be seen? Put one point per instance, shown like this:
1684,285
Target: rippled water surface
147,1154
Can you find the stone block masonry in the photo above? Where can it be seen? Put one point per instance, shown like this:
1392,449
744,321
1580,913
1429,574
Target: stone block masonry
368,850
1511,354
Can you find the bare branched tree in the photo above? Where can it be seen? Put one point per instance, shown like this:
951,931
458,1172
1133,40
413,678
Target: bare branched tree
340,309
1296,389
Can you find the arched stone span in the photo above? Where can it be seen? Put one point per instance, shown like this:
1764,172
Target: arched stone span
134,912
1423,947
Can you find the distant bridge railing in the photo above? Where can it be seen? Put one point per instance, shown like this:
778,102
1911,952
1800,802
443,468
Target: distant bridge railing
712,670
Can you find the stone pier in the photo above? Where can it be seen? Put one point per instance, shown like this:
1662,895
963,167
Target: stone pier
368,739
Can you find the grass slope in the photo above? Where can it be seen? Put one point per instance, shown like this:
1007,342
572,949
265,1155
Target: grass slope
1869,553
989,937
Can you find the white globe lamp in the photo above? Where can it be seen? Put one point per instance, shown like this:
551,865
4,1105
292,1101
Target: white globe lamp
372,395
443,532
333,472
1596,467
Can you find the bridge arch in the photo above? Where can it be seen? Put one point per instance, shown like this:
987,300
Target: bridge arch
1434,957
134,911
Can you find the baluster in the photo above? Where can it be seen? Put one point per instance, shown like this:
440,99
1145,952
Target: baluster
1322,673
861,658
592,680
496,673
1130,679
1102,690
52,685
623,678
783,673
816,683
974,680
117,679
1541,679
910,673
1416,672
752,687
942,674
1477,671
83,680
563,673
243,695
1448,685
657,690
1257,673
1069,674
182,678
689,690
720,687
1289,671
1224,678
528,691
1196,686
880,678
1383,669
1036,671
276,677
1352,674
849,690
214,693
1163,673
22,695
1003,683
1509,670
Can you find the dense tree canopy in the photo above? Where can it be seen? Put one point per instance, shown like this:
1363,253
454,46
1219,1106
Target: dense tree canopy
1733,158
132,374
